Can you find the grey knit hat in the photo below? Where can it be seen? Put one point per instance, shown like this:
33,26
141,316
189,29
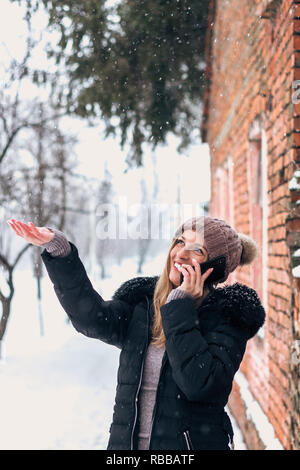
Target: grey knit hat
221,239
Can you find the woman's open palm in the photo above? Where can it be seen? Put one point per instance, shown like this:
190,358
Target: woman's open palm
31,233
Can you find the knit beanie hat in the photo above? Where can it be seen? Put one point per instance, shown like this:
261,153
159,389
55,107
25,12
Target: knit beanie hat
221,239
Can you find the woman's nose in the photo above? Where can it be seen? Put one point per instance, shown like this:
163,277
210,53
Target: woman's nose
183,253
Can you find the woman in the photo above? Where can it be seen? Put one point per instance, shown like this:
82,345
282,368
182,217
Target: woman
181,343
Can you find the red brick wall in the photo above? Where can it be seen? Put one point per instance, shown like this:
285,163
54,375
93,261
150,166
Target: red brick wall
252,61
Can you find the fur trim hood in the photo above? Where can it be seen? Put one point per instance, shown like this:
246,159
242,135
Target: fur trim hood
240,303
134,290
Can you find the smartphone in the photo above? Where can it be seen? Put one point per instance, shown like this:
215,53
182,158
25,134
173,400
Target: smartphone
217,263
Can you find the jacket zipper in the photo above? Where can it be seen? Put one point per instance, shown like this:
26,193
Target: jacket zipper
140,381
188,440
154,410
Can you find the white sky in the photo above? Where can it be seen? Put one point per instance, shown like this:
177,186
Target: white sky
191,170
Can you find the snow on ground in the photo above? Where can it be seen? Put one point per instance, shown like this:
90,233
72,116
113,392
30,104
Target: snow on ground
57,391
58,398
239,443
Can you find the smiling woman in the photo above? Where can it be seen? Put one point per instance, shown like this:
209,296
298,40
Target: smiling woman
186,249
181,343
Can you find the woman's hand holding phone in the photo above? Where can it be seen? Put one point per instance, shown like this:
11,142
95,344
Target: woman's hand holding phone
193,280
32,234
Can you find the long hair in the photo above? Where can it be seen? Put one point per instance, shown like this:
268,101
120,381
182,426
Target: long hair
162,289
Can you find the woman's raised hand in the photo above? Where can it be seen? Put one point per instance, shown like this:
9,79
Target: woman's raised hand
30,233
193,280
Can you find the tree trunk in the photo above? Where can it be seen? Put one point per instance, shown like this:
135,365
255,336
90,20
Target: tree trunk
102,267
4,318
143,248
38,276
40,311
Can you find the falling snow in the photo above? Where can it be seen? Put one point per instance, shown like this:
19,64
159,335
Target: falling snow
57,392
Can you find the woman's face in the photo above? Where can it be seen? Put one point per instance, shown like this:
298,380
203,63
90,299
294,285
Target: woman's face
188,245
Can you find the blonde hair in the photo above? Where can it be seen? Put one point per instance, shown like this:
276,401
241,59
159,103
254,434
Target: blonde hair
162,289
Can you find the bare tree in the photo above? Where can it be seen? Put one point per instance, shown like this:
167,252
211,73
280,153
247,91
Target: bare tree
144,217
104,245
37,193
144,244
34,164
47,185
7,269
16,114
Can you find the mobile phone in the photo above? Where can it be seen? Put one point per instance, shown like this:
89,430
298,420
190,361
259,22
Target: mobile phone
217,263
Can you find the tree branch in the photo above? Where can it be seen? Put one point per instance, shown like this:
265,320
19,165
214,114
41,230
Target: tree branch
21,253
23,126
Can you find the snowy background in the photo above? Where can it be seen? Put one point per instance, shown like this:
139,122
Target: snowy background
57,391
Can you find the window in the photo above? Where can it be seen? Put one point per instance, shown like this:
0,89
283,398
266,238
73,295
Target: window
258,205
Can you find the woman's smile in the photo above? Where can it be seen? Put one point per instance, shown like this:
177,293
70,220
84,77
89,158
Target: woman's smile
190,245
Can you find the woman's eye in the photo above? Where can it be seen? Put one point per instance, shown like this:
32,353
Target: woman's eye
196,249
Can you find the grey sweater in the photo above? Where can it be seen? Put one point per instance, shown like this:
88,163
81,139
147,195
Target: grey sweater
60,246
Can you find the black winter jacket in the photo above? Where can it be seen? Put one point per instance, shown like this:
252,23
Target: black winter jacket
204,349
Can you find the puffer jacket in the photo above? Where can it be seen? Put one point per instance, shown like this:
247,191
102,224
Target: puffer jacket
204,349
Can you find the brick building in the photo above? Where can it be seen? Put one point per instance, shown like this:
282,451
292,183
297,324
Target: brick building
251,121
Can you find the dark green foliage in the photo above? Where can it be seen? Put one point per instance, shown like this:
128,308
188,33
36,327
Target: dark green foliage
141,62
